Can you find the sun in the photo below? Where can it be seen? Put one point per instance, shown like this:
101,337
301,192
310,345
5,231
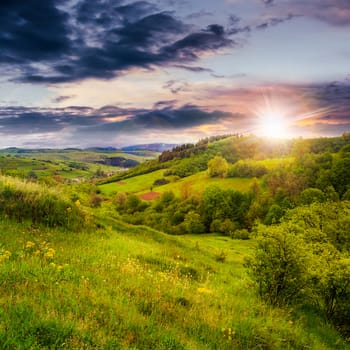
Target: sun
273,118
273,125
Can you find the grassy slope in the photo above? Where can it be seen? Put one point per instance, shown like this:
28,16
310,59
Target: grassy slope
135,184
42,168
57,162
125,287
197,182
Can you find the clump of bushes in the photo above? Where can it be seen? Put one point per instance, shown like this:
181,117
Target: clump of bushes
300,261
21,200
246,169
160,182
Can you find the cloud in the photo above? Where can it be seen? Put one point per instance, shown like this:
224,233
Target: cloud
33,31
268,2
176,86
60,99
273,21
108,120
333,12
56,41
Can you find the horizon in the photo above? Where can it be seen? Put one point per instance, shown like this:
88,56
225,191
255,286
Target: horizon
113,73
122,148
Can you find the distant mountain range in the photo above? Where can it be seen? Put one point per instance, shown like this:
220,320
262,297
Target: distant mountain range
155,147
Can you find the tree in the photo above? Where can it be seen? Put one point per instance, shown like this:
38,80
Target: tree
312,195
279,264
193,224
217,167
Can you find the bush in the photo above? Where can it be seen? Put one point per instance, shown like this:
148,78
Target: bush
312,195
160,182
217,167
21,200
240,234
279,265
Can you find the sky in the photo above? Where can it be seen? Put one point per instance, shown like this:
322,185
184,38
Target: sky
83,73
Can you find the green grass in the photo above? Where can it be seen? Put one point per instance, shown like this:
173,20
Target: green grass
135,184
200,181
49,163
197,183
273,163
126,287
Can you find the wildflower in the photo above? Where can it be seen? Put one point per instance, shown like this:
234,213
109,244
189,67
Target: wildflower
59,268
204,290
52,264
30,244
50,253
37,252
77,203
69,210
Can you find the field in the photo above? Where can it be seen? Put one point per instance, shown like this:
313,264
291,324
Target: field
195,183
68,164
133,185
125,287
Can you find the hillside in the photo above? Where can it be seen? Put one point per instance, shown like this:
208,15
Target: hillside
69,163
123,287
258,256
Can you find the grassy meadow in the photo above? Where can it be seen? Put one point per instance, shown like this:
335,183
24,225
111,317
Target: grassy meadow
194,183
125,287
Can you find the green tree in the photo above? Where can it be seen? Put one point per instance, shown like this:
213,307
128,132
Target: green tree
193,223
312,195
217,167
279,264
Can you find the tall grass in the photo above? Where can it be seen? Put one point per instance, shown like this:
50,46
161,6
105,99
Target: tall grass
136,288
23,200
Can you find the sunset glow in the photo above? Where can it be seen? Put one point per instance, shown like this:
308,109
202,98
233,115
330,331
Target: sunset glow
273,125
119,72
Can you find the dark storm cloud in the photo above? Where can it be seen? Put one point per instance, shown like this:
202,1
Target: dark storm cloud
108,119
24,120
56,41
185,117
32,31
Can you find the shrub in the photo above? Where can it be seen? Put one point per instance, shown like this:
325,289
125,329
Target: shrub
312,195
160,182
217,167
279,265
240,234
21,200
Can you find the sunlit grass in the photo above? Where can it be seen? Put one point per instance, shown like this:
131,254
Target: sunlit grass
124,287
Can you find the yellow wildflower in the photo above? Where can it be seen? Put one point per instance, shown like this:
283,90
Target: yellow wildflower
204,290
50,253
30,244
